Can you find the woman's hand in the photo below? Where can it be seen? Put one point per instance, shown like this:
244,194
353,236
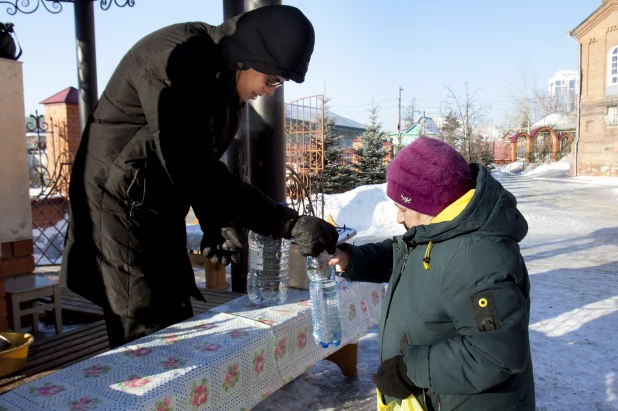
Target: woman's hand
340,259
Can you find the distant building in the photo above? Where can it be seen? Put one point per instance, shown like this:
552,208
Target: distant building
562,88
297,115
425,126
596,148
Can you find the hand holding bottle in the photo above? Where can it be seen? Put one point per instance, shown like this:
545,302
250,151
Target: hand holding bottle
340,259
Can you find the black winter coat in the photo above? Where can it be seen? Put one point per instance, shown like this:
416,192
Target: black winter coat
151,150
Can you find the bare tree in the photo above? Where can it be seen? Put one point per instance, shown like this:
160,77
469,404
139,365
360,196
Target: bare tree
408,114
522,95
549,104
470,112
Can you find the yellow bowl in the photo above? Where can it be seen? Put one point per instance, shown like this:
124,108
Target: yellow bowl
15,359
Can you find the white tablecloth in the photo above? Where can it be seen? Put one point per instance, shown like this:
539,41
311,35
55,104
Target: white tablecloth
228,358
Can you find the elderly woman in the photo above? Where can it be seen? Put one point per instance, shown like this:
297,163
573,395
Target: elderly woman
454,326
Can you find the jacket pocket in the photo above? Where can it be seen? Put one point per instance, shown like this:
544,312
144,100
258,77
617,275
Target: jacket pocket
136,191
125,188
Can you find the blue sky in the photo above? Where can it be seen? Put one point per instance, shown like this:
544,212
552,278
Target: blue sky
364,49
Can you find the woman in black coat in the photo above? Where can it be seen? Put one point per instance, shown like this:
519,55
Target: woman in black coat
151,150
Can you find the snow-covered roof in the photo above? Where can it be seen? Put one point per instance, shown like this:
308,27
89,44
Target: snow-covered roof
558,121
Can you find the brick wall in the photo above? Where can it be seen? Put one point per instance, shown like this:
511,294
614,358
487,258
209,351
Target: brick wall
16,260
63,131
598,141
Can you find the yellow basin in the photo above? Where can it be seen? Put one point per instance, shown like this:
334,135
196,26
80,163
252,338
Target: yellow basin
15,359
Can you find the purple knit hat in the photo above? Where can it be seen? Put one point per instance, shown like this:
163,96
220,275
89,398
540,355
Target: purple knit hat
427,176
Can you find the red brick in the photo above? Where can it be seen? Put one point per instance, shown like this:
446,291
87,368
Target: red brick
22,248
4,324
7,251
16,266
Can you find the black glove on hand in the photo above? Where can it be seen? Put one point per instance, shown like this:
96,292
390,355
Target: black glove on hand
222,247
392,380
314,235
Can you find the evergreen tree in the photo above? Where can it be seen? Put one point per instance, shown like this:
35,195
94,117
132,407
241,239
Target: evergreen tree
450,128
338,174
481,152
370,165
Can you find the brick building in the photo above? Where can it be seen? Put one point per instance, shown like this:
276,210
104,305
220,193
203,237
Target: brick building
596,148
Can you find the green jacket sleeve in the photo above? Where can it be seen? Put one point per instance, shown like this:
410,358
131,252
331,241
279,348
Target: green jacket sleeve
372,263
475,360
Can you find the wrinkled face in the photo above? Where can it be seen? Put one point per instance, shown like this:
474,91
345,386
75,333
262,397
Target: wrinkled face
252,84
410,218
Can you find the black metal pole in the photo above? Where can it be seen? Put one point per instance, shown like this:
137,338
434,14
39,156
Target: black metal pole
267,135
236,159
86,59
233,8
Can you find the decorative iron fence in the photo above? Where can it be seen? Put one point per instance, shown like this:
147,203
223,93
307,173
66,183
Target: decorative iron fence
49,186
304,133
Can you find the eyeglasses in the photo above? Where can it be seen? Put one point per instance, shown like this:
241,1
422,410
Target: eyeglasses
273,81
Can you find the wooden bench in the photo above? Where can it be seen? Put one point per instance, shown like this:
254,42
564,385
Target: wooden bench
60,351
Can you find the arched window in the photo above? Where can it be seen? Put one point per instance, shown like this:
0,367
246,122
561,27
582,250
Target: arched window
612,67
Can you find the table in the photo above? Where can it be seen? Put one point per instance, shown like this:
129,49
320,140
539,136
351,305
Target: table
28,289
228,358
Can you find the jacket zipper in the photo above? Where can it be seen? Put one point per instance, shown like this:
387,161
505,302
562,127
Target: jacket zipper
133,202
405,260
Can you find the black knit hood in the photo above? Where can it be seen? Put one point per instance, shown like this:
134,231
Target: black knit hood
274,40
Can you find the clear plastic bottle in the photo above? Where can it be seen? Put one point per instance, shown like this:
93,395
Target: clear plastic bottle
324,301
268,277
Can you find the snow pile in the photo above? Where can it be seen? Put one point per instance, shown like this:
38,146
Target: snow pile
366,209
548,168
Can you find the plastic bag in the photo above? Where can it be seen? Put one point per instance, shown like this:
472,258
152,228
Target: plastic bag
409,404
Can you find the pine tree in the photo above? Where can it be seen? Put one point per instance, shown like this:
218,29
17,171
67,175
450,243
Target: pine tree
370,165
450,128
338,174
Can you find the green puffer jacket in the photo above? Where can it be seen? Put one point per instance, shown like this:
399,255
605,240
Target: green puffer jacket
461,320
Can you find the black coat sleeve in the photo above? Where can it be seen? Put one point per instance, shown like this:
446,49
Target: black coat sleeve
176,90
371,263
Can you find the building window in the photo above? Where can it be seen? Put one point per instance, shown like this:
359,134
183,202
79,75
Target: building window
612,116
612,77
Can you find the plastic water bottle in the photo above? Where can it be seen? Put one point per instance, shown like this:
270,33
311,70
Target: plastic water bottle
268,277
324,301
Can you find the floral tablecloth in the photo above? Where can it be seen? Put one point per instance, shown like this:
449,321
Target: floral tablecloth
228,358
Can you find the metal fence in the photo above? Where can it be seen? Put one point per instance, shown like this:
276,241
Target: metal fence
50,170
304,133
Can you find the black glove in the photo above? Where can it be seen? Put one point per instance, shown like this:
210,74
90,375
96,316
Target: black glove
392,380
314,235
222,247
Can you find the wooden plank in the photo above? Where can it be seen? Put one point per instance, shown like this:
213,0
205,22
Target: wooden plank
66,336
51,353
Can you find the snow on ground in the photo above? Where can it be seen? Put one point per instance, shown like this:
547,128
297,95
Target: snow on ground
572,256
